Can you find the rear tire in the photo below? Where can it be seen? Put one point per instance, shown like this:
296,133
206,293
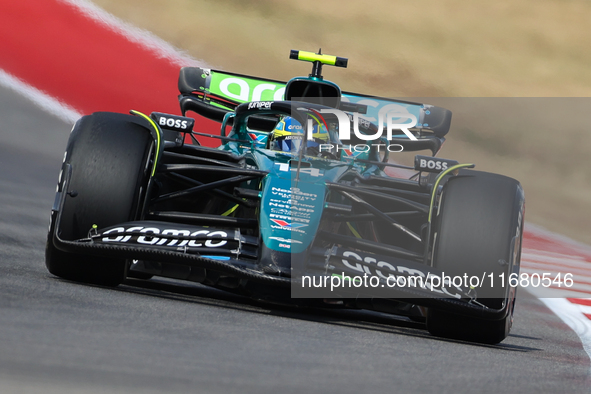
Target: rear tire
478,230
109,155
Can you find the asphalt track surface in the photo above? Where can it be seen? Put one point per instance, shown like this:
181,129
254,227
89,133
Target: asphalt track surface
157,336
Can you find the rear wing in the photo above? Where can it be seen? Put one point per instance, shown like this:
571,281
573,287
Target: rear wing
213,93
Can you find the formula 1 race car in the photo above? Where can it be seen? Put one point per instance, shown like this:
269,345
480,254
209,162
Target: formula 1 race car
297,204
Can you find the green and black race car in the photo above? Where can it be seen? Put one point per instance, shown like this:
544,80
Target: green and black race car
296,205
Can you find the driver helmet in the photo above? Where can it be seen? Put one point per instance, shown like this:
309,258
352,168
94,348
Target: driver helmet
289,133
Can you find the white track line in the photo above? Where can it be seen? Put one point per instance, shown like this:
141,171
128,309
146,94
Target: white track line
571,314
160,48
576,316
43,100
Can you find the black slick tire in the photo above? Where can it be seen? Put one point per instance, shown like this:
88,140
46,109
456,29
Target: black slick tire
478,229
109,158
